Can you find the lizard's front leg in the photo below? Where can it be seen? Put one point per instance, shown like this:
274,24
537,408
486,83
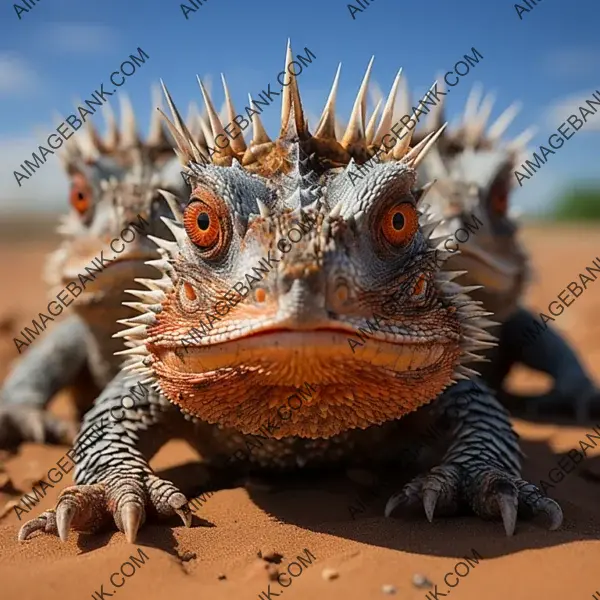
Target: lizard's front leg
481,468
115,483
574,393
49,366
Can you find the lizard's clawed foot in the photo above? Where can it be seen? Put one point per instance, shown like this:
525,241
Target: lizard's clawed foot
30,424
489,492
122,499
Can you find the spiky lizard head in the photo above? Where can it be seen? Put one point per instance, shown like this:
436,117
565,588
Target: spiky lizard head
309,291
113,186
473,168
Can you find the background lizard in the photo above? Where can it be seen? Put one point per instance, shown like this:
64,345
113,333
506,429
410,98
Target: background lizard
474,168
114,182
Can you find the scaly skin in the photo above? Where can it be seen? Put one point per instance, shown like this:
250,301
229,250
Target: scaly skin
474,172
293,328
113,184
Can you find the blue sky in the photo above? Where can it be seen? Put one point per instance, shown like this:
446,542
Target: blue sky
62,50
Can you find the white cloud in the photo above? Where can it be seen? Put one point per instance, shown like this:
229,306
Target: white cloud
84,38
17,77
557,112
45,190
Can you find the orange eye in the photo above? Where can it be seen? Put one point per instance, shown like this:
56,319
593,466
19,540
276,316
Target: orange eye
81,195
400,224
202,224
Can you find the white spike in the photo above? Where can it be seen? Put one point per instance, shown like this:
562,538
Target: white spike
135,351
387,115
263,208
143,319
138,332
502,123
521,141
336,211
128,125
151,297
171,247
177,230
423,152
173,203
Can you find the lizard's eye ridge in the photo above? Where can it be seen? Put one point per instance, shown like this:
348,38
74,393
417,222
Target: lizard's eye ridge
400,223
202,224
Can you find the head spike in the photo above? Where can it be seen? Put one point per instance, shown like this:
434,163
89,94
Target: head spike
326,126
156,136
472,104
215,123
259,134
112,131
419,152
187,149
502,123
130,137
291,99
237,142
435,119
388,112
370,131
355,132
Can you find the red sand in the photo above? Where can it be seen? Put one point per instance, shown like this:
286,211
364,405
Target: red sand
219,560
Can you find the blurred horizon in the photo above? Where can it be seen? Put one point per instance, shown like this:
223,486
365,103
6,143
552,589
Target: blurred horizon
58,53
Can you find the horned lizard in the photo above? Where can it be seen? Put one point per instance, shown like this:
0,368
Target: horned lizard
113,185
291,328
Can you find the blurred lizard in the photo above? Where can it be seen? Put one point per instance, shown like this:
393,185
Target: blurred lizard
114,184
474,168
277,315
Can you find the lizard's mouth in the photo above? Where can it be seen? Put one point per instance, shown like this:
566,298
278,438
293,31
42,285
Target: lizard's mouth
243,383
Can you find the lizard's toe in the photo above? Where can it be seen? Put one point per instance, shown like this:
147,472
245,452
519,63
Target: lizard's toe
437,491
493,494
46,522
532,503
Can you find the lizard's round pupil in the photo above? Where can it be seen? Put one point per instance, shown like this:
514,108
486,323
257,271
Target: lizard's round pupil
398,221
203,221
80,195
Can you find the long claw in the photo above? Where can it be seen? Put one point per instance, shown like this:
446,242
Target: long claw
30,527
181,506
65,514
131,517
393,503
508,509
186,515
430,498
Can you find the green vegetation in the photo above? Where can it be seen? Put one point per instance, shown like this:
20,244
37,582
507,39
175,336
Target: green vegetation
578,204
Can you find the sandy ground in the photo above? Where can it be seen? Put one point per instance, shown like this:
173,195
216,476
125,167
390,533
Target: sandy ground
219,556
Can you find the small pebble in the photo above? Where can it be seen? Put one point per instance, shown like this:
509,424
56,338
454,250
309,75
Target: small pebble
388,589
221,577
421,581
187,556
271,556
329,574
